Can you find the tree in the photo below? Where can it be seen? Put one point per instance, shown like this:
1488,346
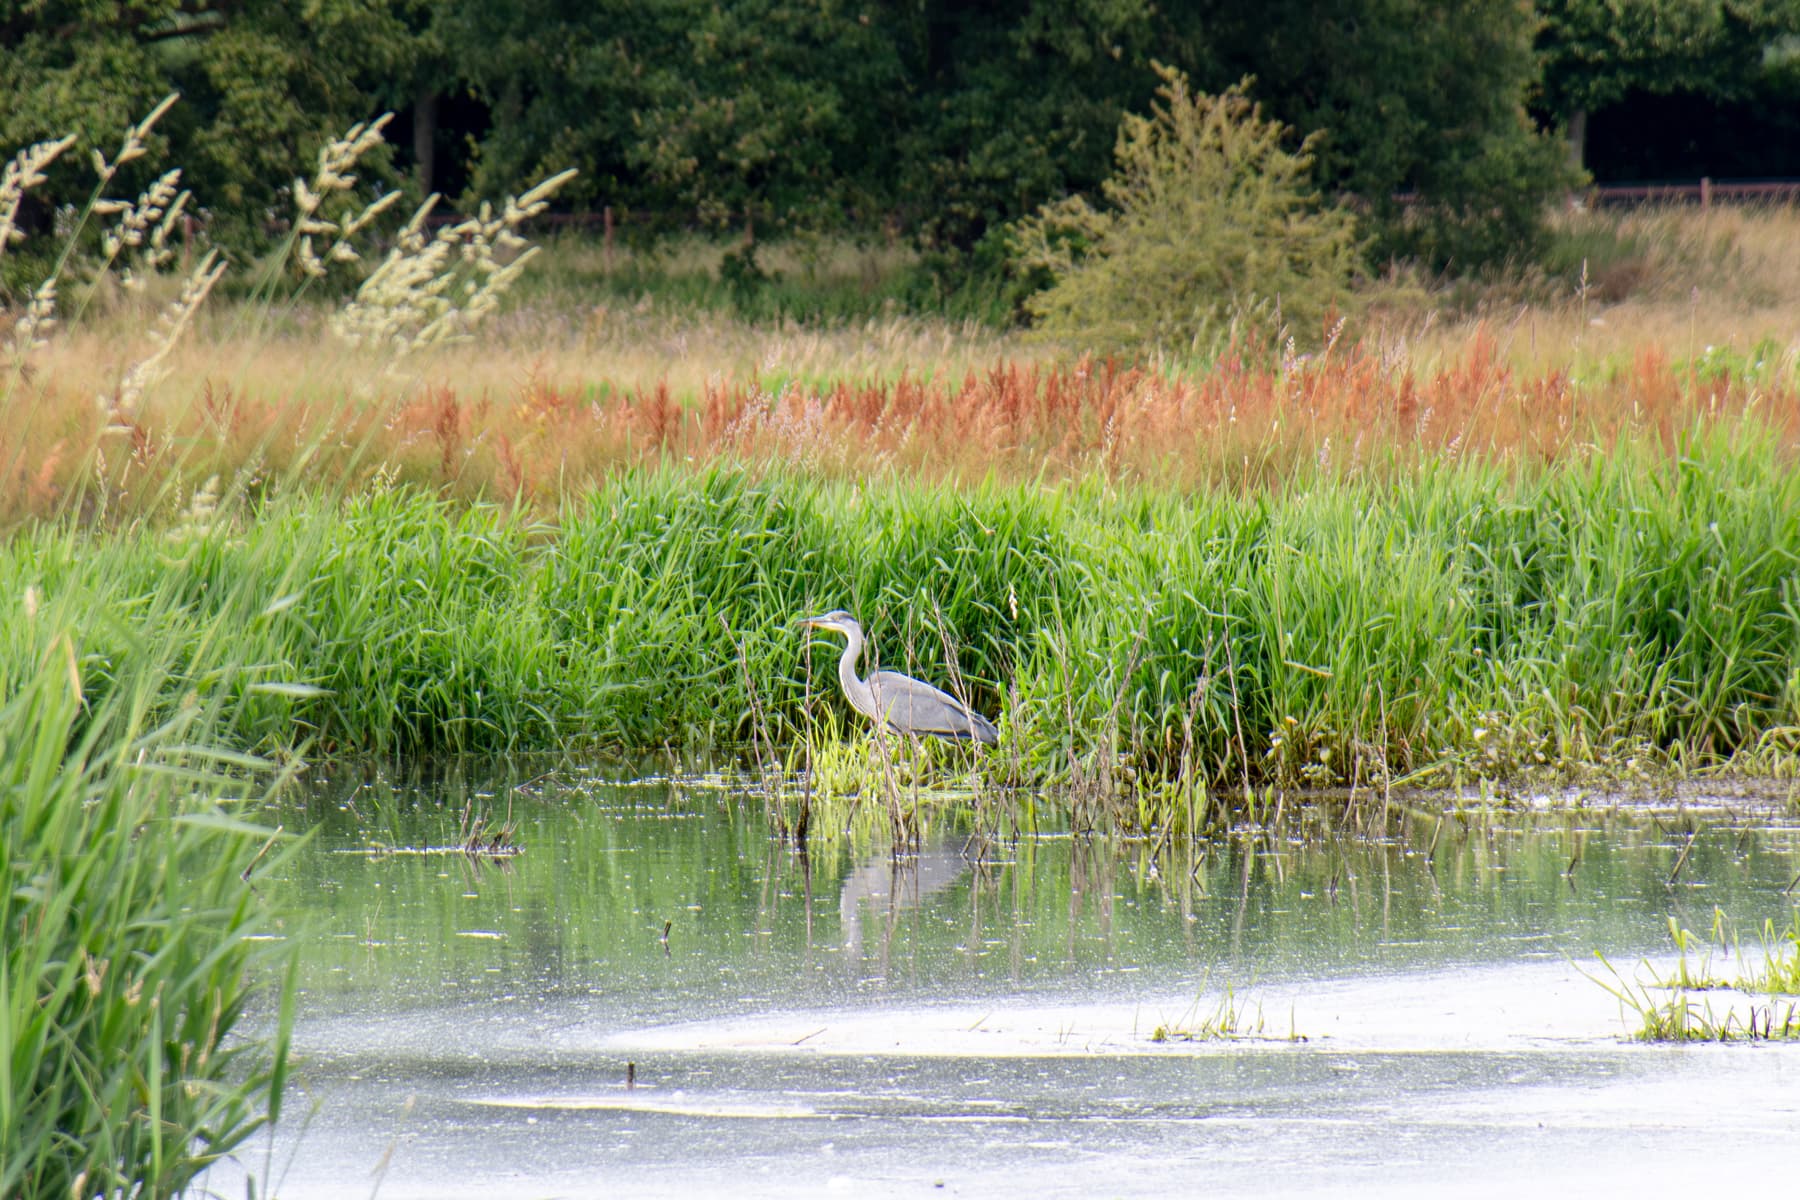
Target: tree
770,112
1013,104
81,66
262,84
1418,100
1209,219
1594,52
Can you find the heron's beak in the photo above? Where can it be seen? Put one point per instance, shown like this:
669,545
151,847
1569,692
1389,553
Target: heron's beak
825,621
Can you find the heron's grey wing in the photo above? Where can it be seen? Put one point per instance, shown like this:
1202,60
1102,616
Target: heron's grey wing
912,706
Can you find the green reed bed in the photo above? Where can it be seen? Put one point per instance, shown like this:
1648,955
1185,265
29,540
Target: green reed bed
131,928
1640,609
1755,1001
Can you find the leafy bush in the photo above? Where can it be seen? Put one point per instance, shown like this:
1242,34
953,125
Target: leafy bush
1485,205
1209,221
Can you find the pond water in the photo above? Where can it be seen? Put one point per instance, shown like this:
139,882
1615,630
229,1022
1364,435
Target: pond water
657,996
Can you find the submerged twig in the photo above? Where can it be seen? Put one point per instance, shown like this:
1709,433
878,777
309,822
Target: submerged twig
1681,861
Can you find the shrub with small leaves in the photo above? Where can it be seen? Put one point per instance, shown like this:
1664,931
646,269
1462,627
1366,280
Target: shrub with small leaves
1209,224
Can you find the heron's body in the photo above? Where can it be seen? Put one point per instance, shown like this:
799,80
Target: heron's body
899,702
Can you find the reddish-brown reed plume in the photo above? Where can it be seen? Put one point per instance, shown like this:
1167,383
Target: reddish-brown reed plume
1245,422
1250,421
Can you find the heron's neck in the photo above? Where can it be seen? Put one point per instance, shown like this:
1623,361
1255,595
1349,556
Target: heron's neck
853,649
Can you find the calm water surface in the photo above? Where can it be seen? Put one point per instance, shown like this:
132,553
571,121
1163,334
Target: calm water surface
977,1019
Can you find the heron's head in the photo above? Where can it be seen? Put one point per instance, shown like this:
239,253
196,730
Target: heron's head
837,620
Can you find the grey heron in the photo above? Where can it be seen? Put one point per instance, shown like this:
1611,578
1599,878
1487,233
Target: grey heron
903,704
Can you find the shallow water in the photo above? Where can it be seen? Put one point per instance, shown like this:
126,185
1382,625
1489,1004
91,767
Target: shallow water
1414,1002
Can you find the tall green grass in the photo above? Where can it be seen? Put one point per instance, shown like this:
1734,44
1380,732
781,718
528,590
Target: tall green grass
132,938
1637,609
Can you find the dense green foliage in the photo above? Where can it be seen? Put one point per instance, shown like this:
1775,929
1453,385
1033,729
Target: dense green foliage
946,120
1344,628
1412,96
262,85
129,926
762,111
1209,226
1594,53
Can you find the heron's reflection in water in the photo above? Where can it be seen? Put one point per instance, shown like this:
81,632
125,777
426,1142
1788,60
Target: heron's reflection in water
887,886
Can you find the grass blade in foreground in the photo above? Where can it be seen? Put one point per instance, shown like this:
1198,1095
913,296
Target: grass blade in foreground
131,945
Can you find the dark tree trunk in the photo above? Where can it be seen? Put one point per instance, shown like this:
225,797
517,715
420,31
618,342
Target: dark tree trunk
425,115
1578,138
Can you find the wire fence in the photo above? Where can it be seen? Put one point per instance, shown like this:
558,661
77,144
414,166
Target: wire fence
1705,192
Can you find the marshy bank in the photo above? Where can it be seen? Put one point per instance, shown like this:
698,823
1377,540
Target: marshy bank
1636,611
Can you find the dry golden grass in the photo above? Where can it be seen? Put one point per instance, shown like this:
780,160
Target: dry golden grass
1681,280
556,392
1748,253
539,430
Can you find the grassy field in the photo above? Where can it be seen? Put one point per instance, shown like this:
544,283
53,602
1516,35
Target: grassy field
1472,531
1642,325
1695,286
899,400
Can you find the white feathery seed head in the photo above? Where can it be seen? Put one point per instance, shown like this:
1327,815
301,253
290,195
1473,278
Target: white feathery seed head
29,332
133,146
337,160
24,172
432,289
122,406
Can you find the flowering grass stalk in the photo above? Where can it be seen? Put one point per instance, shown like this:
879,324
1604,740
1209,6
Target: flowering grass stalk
24,172
432,289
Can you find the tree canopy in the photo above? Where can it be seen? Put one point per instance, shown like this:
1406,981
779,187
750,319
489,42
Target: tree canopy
262,82
1594,53
946,119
